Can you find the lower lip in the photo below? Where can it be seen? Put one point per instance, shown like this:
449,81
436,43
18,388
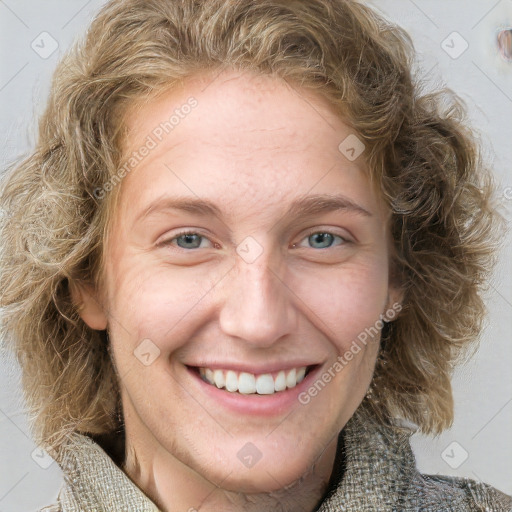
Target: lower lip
257,405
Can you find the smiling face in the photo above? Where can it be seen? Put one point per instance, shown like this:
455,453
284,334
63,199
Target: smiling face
285,263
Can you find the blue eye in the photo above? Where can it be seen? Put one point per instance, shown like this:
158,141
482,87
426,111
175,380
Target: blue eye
323,239
185,240
190,241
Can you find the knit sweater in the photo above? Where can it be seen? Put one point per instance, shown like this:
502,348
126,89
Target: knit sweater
374,470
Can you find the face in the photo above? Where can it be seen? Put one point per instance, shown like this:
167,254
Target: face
246,248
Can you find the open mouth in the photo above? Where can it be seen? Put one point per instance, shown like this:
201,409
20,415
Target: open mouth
246,383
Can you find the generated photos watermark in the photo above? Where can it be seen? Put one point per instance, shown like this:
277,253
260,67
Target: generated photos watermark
356,346
152,141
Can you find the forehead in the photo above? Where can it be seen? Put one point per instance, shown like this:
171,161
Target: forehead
247,134
228,107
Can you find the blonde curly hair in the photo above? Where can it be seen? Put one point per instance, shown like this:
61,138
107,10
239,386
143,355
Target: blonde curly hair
418,152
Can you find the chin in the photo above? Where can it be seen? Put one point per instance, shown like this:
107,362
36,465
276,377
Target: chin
273,466
264,478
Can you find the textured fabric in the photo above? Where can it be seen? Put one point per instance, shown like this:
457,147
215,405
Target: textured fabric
379,474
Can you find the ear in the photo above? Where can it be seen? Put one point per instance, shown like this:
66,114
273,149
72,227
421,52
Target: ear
394,303
396,291
89,306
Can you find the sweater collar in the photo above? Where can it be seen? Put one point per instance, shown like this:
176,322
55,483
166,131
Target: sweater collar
378,465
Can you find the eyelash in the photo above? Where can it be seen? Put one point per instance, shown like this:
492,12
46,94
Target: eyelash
169,241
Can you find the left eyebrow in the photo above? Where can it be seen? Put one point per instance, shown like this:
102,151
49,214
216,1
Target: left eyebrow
318,204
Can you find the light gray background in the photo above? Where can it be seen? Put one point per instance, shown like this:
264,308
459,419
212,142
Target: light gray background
483,387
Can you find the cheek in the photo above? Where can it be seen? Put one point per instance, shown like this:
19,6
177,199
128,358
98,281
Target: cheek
345,301
157,302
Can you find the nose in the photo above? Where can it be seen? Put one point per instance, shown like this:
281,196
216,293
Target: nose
257,306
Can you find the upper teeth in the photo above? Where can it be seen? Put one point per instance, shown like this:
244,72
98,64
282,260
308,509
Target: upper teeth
248,383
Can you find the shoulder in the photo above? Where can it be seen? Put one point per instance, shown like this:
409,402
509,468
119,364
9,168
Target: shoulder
93,481
463,493
380,473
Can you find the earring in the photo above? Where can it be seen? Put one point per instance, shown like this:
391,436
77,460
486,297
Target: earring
369,391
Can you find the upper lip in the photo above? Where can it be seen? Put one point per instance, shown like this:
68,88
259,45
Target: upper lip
255,369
